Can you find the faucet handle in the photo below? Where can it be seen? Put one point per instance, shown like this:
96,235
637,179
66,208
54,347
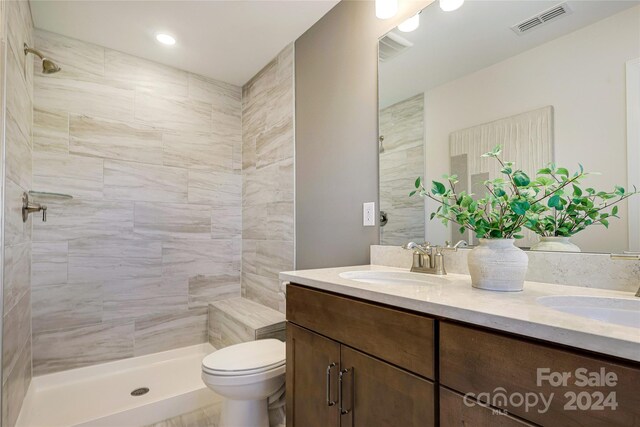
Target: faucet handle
460,244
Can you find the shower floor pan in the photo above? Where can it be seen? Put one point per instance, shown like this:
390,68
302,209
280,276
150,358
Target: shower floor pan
100,395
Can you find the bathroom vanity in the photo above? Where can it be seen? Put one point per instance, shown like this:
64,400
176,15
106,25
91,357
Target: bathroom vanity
441,353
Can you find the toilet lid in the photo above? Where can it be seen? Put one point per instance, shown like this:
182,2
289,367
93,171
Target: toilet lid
246,358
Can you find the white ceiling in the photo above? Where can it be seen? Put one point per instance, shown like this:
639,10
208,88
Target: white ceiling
450,45
226,40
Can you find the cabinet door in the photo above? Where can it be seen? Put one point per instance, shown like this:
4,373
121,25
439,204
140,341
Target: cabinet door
376,394
313,363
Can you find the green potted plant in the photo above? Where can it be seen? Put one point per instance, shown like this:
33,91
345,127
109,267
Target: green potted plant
570,211
497,219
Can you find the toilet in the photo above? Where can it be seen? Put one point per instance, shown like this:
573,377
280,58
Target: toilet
246,375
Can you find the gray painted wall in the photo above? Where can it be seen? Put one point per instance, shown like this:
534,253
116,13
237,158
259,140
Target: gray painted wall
337,131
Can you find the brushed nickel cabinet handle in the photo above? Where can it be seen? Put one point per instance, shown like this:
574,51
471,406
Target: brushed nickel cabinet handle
329,401
343,372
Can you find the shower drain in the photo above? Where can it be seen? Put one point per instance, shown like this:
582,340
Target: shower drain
140,391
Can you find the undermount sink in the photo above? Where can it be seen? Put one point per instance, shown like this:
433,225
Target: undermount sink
390,277
618,311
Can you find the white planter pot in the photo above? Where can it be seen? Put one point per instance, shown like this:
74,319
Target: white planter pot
555,244
498,265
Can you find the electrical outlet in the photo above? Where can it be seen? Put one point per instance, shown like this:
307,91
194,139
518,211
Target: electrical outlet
368,214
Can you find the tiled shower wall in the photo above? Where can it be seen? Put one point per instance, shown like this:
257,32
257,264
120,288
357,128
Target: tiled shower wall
152,157
401,162
16,344
268,180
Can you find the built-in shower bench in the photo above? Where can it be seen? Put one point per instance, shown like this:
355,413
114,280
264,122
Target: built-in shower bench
237,320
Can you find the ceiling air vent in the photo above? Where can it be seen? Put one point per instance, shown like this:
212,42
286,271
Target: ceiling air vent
541,18
391,46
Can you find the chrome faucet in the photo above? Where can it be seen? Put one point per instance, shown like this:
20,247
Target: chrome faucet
628,256
430,259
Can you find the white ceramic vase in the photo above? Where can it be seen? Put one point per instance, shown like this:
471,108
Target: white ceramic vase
555,244
498,265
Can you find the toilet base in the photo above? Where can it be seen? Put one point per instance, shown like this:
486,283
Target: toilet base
244,413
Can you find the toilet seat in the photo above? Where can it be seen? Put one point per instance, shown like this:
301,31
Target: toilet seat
248,358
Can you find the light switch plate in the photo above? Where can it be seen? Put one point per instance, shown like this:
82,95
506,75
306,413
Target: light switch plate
368,214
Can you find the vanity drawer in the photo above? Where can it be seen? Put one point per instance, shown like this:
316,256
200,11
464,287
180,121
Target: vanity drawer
401,338
455,411
474,361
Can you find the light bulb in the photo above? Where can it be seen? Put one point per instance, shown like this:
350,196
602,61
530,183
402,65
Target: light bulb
386,9
450,5
165,39
410,24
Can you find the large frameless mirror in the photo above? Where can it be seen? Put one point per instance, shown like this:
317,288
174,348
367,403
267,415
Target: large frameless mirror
549,82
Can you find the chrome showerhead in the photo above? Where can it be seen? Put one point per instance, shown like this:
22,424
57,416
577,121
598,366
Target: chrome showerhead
48,66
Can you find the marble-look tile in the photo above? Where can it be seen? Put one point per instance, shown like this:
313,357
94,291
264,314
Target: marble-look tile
280,221
75,57
170,220
75,219
172,114
91,96
219,189
143,297
16,333
18,97
254,220
49,263
17,273
224,96
15,387
272,257
60,350
18,155
16,231
206,288
273,183
226,222
168,331
81,177
91,136
197,151
249,250
20,32
275,144
263,290
114,259
141,182
50,131
190,258
147,76
65,306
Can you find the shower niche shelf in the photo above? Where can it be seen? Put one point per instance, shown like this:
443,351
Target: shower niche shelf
49,196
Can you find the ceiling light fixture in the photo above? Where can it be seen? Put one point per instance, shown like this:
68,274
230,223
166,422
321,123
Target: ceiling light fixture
386,9
165,39
450,5
410,24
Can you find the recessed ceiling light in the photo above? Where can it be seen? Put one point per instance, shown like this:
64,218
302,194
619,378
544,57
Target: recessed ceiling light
165,39
410,24
386,9
450,5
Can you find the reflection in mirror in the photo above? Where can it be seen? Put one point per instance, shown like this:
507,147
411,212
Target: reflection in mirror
548,81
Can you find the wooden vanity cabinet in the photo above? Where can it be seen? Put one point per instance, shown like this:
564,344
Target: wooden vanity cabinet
387,360
352,364
476,361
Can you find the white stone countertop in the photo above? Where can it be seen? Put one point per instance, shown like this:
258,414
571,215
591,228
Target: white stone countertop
453,297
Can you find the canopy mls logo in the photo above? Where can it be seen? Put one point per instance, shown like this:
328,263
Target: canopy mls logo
585,400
